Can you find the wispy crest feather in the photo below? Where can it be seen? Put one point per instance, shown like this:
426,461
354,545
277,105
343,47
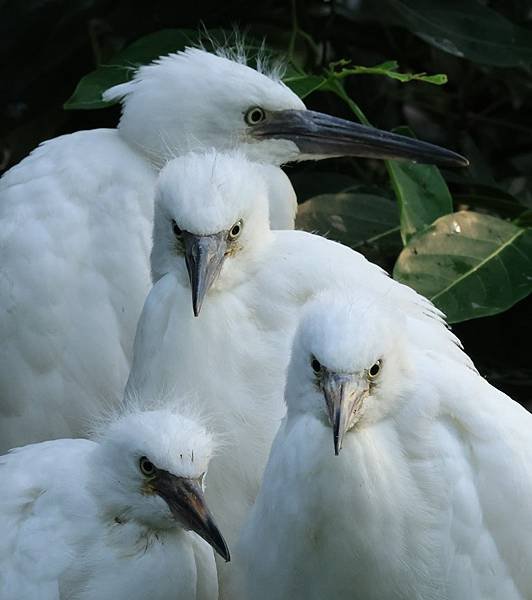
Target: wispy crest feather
167,399
238,47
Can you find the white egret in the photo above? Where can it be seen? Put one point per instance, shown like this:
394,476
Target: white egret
429,497
252,282
76,220
110,519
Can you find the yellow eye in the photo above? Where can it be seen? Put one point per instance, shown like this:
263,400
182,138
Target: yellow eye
254,115
374,370
236,230
147,467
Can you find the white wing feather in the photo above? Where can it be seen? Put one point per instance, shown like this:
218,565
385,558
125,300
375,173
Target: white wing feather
75,240
487,442
37,520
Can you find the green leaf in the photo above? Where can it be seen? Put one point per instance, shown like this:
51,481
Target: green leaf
387,69
421,192
303,84
366,222
88,93
470,265
467,28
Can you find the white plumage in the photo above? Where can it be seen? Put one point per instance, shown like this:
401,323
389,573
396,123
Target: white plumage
79,520
233,357
76,221
75,218
429,498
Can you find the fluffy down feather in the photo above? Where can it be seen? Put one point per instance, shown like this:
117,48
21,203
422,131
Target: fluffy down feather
75,523
429,497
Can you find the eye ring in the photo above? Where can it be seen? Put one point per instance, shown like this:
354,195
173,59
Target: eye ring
316,365
374,370
254,115
175,228
147,467
236,230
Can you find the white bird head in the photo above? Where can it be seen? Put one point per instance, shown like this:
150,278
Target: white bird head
194,100
149,468
211,216
348,363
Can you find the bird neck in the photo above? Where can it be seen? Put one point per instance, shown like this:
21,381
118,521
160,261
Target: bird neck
154,149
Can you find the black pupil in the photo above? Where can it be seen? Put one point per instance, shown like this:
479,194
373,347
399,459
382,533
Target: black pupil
147,466
374,369
176,229
255,115
316,364
236,230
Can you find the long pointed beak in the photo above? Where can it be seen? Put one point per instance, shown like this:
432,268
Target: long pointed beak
318,135
344,395
204,256
186,501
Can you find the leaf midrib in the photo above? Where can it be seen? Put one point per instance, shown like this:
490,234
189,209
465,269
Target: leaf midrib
480,265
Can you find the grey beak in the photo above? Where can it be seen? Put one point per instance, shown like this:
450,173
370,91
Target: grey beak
343,397
187,503
318,134
204,256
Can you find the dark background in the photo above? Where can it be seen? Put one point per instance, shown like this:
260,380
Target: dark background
484,111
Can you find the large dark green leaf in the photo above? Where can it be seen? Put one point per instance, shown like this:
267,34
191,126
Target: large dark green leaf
470,265
468,29
365,222
421,192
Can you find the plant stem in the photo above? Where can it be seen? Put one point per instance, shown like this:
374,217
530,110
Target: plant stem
337,86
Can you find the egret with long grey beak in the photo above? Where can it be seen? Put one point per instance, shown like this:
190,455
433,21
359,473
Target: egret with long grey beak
429,496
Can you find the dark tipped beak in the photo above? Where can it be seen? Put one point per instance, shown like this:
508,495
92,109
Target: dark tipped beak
343,397
320,135
186,501
204,255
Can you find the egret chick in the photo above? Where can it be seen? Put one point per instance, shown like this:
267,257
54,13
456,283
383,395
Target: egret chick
430,494
247,283
76,223
120,517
